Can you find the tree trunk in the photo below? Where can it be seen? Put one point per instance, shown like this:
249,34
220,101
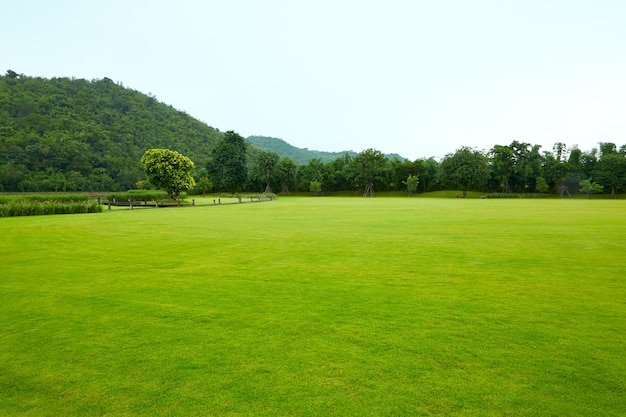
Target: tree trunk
369,190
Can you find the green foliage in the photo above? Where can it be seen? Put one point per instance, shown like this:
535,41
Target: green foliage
412,181
587,186
138,195
65,134
168,170
34,205
315,187
266,165
298,155
203,185
286,170
228,163
541,185
42,197
501,195
366,167
466,169
610,171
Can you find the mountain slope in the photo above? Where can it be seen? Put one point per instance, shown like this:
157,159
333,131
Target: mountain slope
299,155
65,134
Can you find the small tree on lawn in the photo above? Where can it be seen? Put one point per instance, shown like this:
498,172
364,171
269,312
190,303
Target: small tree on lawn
411,183
204,185
366,166
586,186
541,185
466,168
315,187
168,170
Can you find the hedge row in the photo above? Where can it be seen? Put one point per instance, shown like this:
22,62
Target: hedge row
138,195
6,199
35,208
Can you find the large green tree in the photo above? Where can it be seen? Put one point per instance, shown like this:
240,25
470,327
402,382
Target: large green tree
266,165
228,163
315,170
366,167
611,171
286,171
168,170
467,169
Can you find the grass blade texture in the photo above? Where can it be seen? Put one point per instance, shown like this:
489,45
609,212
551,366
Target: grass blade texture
317,307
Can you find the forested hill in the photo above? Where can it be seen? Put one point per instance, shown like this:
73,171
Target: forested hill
300,155
65,134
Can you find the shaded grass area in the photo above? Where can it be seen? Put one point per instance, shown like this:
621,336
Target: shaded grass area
329,306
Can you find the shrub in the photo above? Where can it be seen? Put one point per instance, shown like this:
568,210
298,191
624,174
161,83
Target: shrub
42,205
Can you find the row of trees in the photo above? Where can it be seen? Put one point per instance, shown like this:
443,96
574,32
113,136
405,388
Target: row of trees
515,168
65,134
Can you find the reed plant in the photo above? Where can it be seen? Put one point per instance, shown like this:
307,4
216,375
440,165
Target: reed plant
34,205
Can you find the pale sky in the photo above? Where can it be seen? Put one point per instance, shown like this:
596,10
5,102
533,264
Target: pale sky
417,78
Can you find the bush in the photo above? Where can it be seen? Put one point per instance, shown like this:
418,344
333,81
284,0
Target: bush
138,195
502,195
34,205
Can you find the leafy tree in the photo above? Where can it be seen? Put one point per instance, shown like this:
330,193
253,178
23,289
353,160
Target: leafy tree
314,170
611,171
168,170
266,163
315,187
411,183
67,133
337,173
286,170
587,186
513,166
204,185
428,171
366,166
228,162
556,168
541,185
466,169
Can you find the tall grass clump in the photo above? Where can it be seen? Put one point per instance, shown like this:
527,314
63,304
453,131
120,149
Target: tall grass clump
36,205
137,195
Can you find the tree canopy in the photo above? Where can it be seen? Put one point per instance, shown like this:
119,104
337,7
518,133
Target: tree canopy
466,168
67,134
228,163
366,166
168,170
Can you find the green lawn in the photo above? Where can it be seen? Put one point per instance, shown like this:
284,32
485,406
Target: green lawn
317,307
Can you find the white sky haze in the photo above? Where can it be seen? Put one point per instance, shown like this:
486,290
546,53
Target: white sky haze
418,78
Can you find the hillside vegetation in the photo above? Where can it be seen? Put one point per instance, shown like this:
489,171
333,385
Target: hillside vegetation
300,155
65,134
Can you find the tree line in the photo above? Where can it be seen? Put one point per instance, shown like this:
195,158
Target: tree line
66,134
517,168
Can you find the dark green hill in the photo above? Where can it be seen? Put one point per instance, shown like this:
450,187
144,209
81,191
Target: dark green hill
300,155
65,134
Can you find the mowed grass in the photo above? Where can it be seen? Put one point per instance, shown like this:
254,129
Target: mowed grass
317,307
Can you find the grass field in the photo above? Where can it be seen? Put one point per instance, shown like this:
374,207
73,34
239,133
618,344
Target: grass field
317,307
